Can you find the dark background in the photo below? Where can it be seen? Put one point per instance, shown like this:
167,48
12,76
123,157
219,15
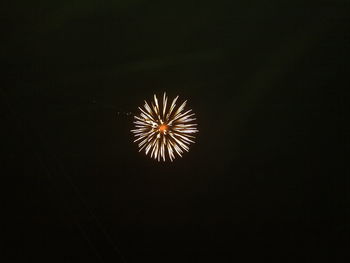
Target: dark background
267,178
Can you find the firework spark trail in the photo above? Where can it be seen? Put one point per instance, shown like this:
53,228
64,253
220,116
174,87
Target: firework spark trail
163,131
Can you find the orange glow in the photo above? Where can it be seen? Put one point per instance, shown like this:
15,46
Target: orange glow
163,127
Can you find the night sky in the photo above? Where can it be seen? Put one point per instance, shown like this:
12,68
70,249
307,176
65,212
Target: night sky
267,177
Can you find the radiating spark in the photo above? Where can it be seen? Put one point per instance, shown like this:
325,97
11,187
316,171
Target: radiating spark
163,131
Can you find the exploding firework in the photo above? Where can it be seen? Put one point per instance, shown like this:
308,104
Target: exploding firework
163,131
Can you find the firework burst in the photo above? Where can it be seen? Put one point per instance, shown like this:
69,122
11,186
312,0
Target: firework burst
164,131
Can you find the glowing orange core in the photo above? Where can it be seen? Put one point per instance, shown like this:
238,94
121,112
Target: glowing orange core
163,127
